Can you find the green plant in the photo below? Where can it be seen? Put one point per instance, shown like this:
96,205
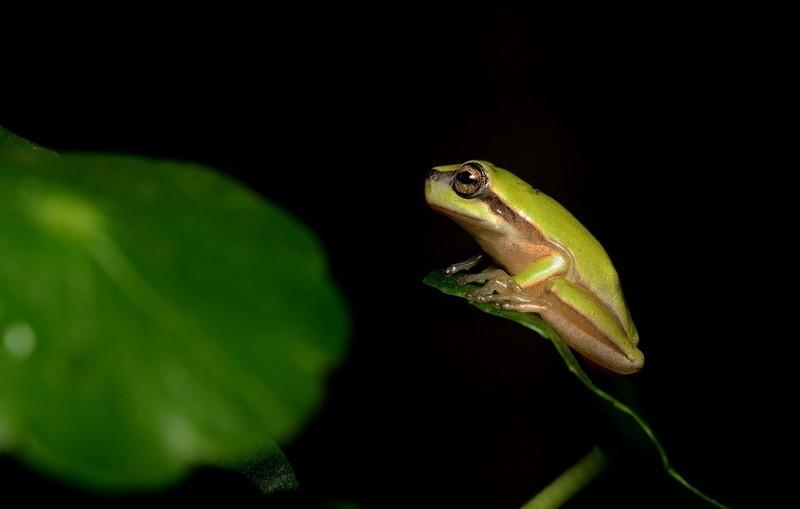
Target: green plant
154,316
636,435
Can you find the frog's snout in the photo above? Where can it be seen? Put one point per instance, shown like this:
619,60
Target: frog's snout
433,174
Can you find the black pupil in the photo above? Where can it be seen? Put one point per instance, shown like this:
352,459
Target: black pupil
466,177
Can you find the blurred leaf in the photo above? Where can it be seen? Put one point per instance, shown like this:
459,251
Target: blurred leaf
153,315
632,426
269,470
11,142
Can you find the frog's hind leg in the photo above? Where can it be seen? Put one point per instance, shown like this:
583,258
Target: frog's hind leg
586,325
507,294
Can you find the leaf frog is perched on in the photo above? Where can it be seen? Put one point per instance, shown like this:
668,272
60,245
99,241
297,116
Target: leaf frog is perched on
550,263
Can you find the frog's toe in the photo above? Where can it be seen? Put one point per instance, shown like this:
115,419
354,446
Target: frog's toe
478,296
482,277
463,266
524,307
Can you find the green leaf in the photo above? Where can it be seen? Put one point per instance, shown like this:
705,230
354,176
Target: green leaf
11,142
154,315
269,470
635,428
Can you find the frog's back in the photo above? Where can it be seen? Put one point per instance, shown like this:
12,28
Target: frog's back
592,267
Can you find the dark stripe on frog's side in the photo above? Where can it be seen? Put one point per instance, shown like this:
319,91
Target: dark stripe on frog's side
510,216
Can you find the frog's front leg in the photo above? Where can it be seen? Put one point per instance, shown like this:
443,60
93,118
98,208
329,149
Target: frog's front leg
497,282
463,266
508,292
498,286
495,279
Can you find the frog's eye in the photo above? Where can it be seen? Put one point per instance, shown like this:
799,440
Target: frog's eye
470,180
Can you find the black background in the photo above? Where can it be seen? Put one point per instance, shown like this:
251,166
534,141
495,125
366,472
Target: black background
647,125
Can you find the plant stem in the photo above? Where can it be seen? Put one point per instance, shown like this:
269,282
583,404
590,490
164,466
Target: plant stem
574,479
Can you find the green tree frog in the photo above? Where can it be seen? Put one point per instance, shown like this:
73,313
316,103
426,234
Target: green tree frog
547,261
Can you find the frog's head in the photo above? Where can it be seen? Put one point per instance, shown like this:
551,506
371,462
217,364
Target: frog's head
476,194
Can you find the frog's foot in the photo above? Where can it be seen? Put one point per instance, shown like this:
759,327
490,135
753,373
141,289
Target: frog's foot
492,275
502,291
463,266
524,307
